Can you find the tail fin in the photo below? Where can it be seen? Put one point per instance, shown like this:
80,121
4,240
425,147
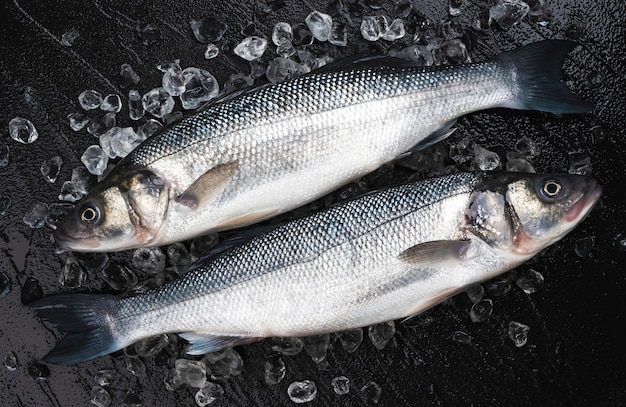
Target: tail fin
84,318
538,69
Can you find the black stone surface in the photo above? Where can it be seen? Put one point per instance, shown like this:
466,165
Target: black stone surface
574,355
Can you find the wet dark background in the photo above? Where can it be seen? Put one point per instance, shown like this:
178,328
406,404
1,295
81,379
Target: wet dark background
574,354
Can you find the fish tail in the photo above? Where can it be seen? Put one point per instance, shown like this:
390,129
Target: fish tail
85,318
538,72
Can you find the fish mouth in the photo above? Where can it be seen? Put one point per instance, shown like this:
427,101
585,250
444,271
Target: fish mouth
67,242
581,208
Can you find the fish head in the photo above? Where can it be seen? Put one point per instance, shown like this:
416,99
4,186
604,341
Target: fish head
524,213
124,211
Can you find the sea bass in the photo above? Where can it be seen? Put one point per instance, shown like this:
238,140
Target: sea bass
383,256
266,151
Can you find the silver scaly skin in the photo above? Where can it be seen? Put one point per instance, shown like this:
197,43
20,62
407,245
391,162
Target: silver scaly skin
269,150
383,256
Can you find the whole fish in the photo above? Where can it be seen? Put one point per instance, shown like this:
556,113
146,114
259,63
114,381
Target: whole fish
266,151
383,256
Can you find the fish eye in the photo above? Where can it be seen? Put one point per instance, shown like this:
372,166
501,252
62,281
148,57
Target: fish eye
551,188
90,214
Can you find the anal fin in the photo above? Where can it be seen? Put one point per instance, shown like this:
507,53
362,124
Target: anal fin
248,219
208,186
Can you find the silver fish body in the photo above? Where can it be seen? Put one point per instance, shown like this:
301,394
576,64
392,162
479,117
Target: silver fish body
272,149
383,256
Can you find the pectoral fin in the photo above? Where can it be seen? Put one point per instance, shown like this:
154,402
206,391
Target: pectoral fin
247,219
201,343
436,252
208,186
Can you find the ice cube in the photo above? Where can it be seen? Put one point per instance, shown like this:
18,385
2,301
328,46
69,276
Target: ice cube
475,293
498,287
251,48
158,102
286,49
282,33
136,367
481,310
131,399
69,37
316,346
451,52
4,156
381,334
95,159
128,75
396,30
149,259
192,372
135,105
319,24
173,81
50,168
149,128
455,7
70,193
538,13
208,29
223,364
148,33
584,246
178,255
341,385
370,393
36,217
98,127
90,99
579,163
72,274
575,30
100,397
104,377
149,347
530,281
77,121
518,333
519,165
173,380
123,141
202,244
420,55
526,147
301,35
5,284
288,346
31,290
200,87
208,394
5,204
237,81
461,337
350,340
22,130
10,361
38,371
274,369
507,13
119,277
338,34
486,160
374,27
274,5
462,151
111,103
211,51
282,69
302,392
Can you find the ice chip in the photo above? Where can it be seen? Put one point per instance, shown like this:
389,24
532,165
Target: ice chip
148,33
128,75
5,284
119,277
211,51
302,392
451,52
123,141
518,333
301,35
237,81
82,179
95,159
72,274
455,7
381,334
530,281
350,340
316,346
22,130
136,367
538,12
90,99
251,48
288,346
200,87
4,156
135,106
31,291
173,81
178,255
282,69
519,165
173,380
208,394
70,193
274,369
282,33
319,24
584,246
575,30
5,204
461,337
131,399
10,361
341,385
507,13
208,29
475,293
149,347
77,121
498,287
286,49
526,147
158,102
149,259
396,30
98,127
370,393
202,244
374,27
223,364
402,9
486,160
462,151
481,310
69,37
100,397
192,372
36,217
149,128
338,34
579,163
111,103
420,55
38,371
104,377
